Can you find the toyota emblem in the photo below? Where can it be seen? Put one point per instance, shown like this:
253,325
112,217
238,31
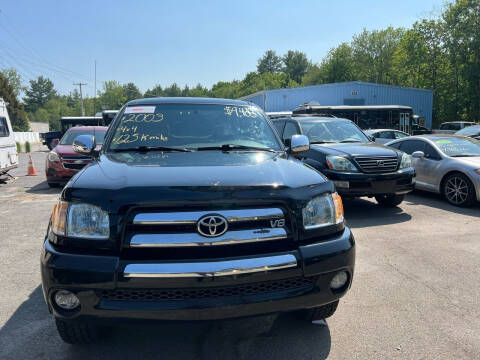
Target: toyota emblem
380,163
212,225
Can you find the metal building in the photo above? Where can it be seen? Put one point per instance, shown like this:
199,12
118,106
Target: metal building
347,93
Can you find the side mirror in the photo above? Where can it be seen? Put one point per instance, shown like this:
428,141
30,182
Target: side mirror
299,144
55,142
85,145
418,155
371,138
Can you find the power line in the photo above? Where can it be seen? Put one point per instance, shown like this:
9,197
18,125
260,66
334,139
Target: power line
32,51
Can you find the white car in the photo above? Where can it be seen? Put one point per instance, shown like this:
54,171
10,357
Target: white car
8,148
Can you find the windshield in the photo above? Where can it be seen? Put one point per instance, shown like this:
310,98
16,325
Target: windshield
192,126
70,136
458,147
469,131
332,132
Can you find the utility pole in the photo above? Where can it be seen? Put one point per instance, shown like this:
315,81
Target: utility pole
80,84
95,91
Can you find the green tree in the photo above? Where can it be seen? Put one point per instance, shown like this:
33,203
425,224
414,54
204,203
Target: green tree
38,93
296,65
269,62
199,91
14,79
462,41
131,91
373,53
156,91
113,95
15,108
172,90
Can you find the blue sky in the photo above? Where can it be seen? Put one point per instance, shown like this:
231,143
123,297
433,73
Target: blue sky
187,42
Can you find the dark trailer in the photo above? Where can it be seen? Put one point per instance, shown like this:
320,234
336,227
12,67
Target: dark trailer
366,117
104,120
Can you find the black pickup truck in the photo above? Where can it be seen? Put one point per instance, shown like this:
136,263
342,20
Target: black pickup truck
193,210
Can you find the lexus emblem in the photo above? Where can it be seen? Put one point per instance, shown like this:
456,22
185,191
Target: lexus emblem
380,163
212,225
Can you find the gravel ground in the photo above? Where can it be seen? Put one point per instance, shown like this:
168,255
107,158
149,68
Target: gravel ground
415,295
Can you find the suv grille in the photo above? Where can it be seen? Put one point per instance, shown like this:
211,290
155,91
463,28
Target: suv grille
73,166
298,283
377,164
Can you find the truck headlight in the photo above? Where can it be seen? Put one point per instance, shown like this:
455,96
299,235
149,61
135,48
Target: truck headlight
340,163
80,220
323,210
406,161
53,156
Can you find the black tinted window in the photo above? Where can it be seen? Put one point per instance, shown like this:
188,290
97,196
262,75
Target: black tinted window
4,131
279,126
290,130
410,146
384,135
430,152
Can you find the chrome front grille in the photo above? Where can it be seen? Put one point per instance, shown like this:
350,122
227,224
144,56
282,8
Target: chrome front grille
180,228
377,164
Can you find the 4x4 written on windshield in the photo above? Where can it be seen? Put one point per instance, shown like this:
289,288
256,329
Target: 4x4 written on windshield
183,126
128,131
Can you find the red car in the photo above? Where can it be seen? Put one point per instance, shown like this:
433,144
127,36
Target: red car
62,162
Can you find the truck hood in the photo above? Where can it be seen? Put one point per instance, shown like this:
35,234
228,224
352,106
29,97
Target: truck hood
355,149
140,179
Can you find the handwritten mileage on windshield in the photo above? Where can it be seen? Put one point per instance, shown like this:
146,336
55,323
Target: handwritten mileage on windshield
240,111
129,133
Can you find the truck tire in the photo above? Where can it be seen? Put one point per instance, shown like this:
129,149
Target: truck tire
74,332
321,312
389,200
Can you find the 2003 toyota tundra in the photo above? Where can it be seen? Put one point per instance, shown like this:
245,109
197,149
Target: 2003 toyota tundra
193,210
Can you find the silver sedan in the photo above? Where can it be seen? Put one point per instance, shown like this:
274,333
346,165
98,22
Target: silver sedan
445,164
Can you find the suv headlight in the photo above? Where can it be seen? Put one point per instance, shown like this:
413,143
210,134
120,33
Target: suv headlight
80,220
53,156
406,161
340,163
323,210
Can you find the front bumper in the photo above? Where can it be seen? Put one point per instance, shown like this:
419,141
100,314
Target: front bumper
363,184
58,172
108,291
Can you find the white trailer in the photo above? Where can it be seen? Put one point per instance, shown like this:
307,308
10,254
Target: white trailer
8,148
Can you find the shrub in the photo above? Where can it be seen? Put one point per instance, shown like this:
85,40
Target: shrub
27,147
19,147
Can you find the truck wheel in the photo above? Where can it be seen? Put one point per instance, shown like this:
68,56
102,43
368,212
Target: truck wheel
459,190
321,312
389,200
74,332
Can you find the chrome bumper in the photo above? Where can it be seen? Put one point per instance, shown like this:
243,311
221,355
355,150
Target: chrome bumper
210,269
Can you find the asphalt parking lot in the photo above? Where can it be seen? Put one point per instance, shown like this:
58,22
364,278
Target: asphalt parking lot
415,295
